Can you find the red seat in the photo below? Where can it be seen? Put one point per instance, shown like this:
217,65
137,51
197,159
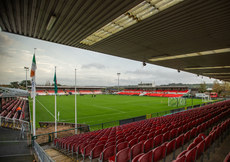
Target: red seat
96,151
151,135
103,138
147,157
138,135
157,132
171,146
207,141
191,146
86,150
142,138
120,141
135,159
101,143
179,130
113,139
121,146
181,154
190,156
129,138
173,133
199,129
120,136
202,135
213,135
180,141
227,158
80,147
187,137
158,140
193,133
148,145
197,140
110,144
181,159
166,136
135,132
164,130
200,149
128,134
170,127
107,152
159,153
185,128
136,149
146,132
123,155
133,142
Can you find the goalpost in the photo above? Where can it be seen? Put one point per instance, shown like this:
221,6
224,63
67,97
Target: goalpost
176,101
206,98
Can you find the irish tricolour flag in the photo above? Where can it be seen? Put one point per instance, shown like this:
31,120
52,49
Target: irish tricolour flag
32,75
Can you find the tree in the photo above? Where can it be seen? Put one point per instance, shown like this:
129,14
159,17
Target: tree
203,87
57,84
23,83
217,87
47,83
14,84
226,89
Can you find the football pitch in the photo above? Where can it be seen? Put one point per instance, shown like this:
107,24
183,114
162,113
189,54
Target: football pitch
100,109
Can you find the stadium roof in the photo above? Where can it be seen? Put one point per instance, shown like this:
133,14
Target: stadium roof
12,92
68,87
187,35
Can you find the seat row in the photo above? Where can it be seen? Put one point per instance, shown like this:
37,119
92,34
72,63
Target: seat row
166,148
202,143
10,111
147,131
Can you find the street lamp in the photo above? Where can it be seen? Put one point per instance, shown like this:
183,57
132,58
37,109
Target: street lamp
118,75
26,69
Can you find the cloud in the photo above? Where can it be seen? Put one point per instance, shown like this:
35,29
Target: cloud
140,72
92,68
5,40
93,65
6,44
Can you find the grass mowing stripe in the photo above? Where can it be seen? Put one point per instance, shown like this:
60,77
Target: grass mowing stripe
45,108
102,108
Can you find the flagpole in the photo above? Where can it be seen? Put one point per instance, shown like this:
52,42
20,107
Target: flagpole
55,110
75,105
34,125
34,109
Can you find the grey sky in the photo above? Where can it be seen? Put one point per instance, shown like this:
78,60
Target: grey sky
92,68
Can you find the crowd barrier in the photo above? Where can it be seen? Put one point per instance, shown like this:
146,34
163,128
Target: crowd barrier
41,154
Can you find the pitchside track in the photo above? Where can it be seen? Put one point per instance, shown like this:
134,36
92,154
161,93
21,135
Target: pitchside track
100,109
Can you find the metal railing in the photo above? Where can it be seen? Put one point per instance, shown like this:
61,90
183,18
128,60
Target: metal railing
17,124
103,125
49,137
42,156
14,123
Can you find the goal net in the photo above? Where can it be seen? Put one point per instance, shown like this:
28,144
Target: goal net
176,101
206,98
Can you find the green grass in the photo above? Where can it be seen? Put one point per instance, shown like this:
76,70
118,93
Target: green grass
102,108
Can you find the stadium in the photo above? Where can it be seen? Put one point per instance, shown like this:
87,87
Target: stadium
140,122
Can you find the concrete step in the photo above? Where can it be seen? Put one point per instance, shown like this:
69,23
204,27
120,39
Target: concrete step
58,156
